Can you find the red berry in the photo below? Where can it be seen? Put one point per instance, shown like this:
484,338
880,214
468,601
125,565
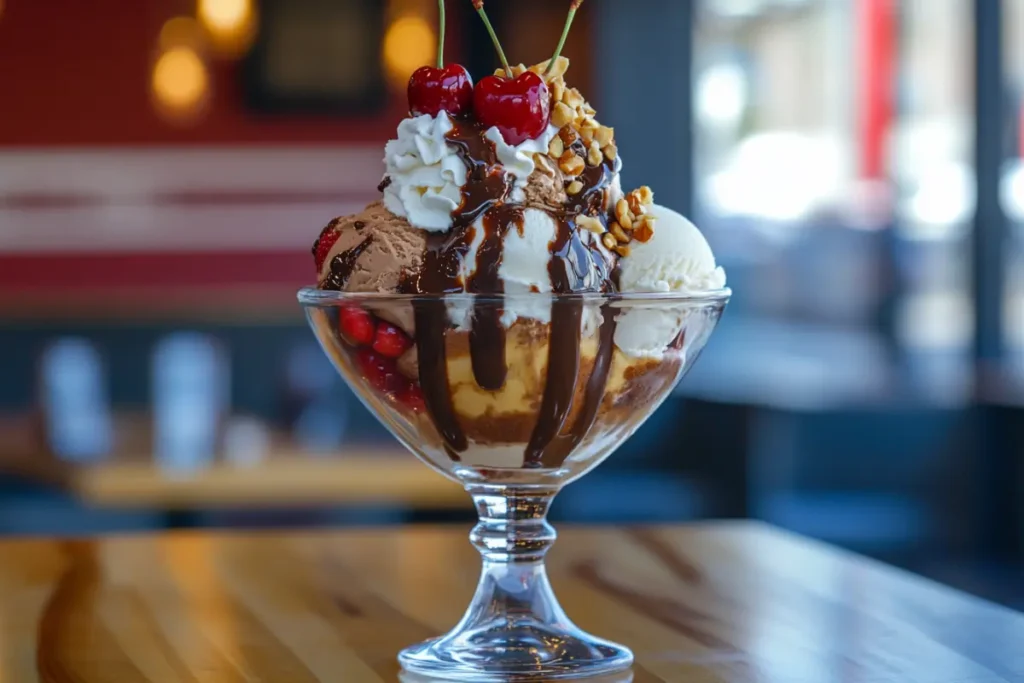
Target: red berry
432,90
412,397
382,373
520,108
390,341
356,326
322,246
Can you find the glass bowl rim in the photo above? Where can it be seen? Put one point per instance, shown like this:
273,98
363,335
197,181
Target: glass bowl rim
312,296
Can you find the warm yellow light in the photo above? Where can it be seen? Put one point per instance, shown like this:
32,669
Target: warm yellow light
180,81
230,23
408,44
180,32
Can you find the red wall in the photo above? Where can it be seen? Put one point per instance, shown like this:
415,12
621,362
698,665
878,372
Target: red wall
76,72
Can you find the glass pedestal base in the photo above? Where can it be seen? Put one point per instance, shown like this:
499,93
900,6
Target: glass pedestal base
504,651
514,627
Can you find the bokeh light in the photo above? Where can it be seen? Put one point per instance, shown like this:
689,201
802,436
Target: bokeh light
180,84
180,32
231,24
410,42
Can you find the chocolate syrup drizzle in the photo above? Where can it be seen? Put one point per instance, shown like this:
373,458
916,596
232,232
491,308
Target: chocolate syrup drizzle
343,264
572,270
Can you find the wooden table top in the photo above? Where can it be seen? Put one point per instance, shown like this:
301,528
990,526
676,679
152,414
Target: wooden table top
709,603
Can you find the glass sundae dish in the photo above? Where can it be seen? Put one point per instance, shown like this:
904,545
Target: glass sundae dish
512,316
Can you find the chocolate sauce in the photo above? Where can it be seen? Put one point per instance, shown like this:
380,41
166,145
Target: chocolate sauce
384,184
487,334
572,269
342,265
487,183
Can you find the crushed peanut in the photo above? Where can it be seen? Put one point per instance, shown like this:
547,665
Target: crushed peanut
611,152
573,98
557,90
643,232
622,212
590,223
608,240
557,71
594,155
616,230
557,148
575,187
562,115
568,135
571,164
604,136
621,250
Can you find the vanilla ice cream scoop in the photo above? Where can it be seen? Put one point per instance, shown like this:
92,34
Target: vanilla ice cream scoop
677,258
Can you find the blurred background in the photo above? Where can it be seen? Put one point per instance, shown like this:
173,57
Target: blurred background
858,166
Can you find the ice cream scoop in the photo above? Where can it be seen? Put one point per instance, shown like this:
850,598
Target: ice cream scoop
677,258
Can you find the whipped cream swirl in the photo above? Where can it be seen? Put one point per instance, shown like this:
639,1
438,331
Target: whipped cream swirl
426,174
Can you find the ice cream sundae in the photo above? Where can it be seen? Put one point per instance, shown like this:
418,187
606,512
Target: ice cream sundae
509,190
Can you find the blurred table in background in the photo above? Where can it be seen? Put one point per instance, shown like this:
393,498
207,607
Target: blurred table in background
283,476
736,603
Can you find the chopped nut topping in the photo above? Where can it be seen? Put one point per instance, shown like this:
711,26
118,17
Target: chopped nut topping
646,195
557,90
557,72
570,164
568,135
573,98
622,212
611,152
575,187
643,232
590,223
562,115
620,234
608,240
594,155
557,148
635,205
604,136
621,249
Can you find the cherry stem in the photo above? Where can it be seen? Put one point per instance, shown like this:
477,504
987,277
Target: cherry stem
440,35
479,5
565,34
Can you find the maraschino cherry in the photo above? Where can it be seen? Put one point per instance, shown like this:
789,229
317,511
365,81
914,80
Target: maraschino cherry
520,107
441,88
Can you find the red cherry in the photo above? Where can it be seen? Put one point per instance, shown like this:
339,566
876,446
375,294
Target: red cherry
390,341
412,396
432,90
356,326
322,246
381,372
520,108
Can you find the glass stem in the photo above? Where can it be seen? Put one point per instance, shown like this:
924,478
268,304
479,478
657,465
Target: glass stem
513,535
513,526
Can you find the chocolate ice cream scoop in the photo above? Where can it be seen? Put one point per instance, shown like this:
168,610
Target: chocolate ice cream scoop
375,248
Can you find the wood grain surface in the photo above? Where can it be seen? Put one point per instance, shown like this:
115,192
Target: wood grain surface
737,602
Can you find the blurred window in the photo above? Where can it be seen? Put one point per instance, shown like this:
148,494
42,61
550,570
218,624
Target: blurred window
1013,180
833,159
